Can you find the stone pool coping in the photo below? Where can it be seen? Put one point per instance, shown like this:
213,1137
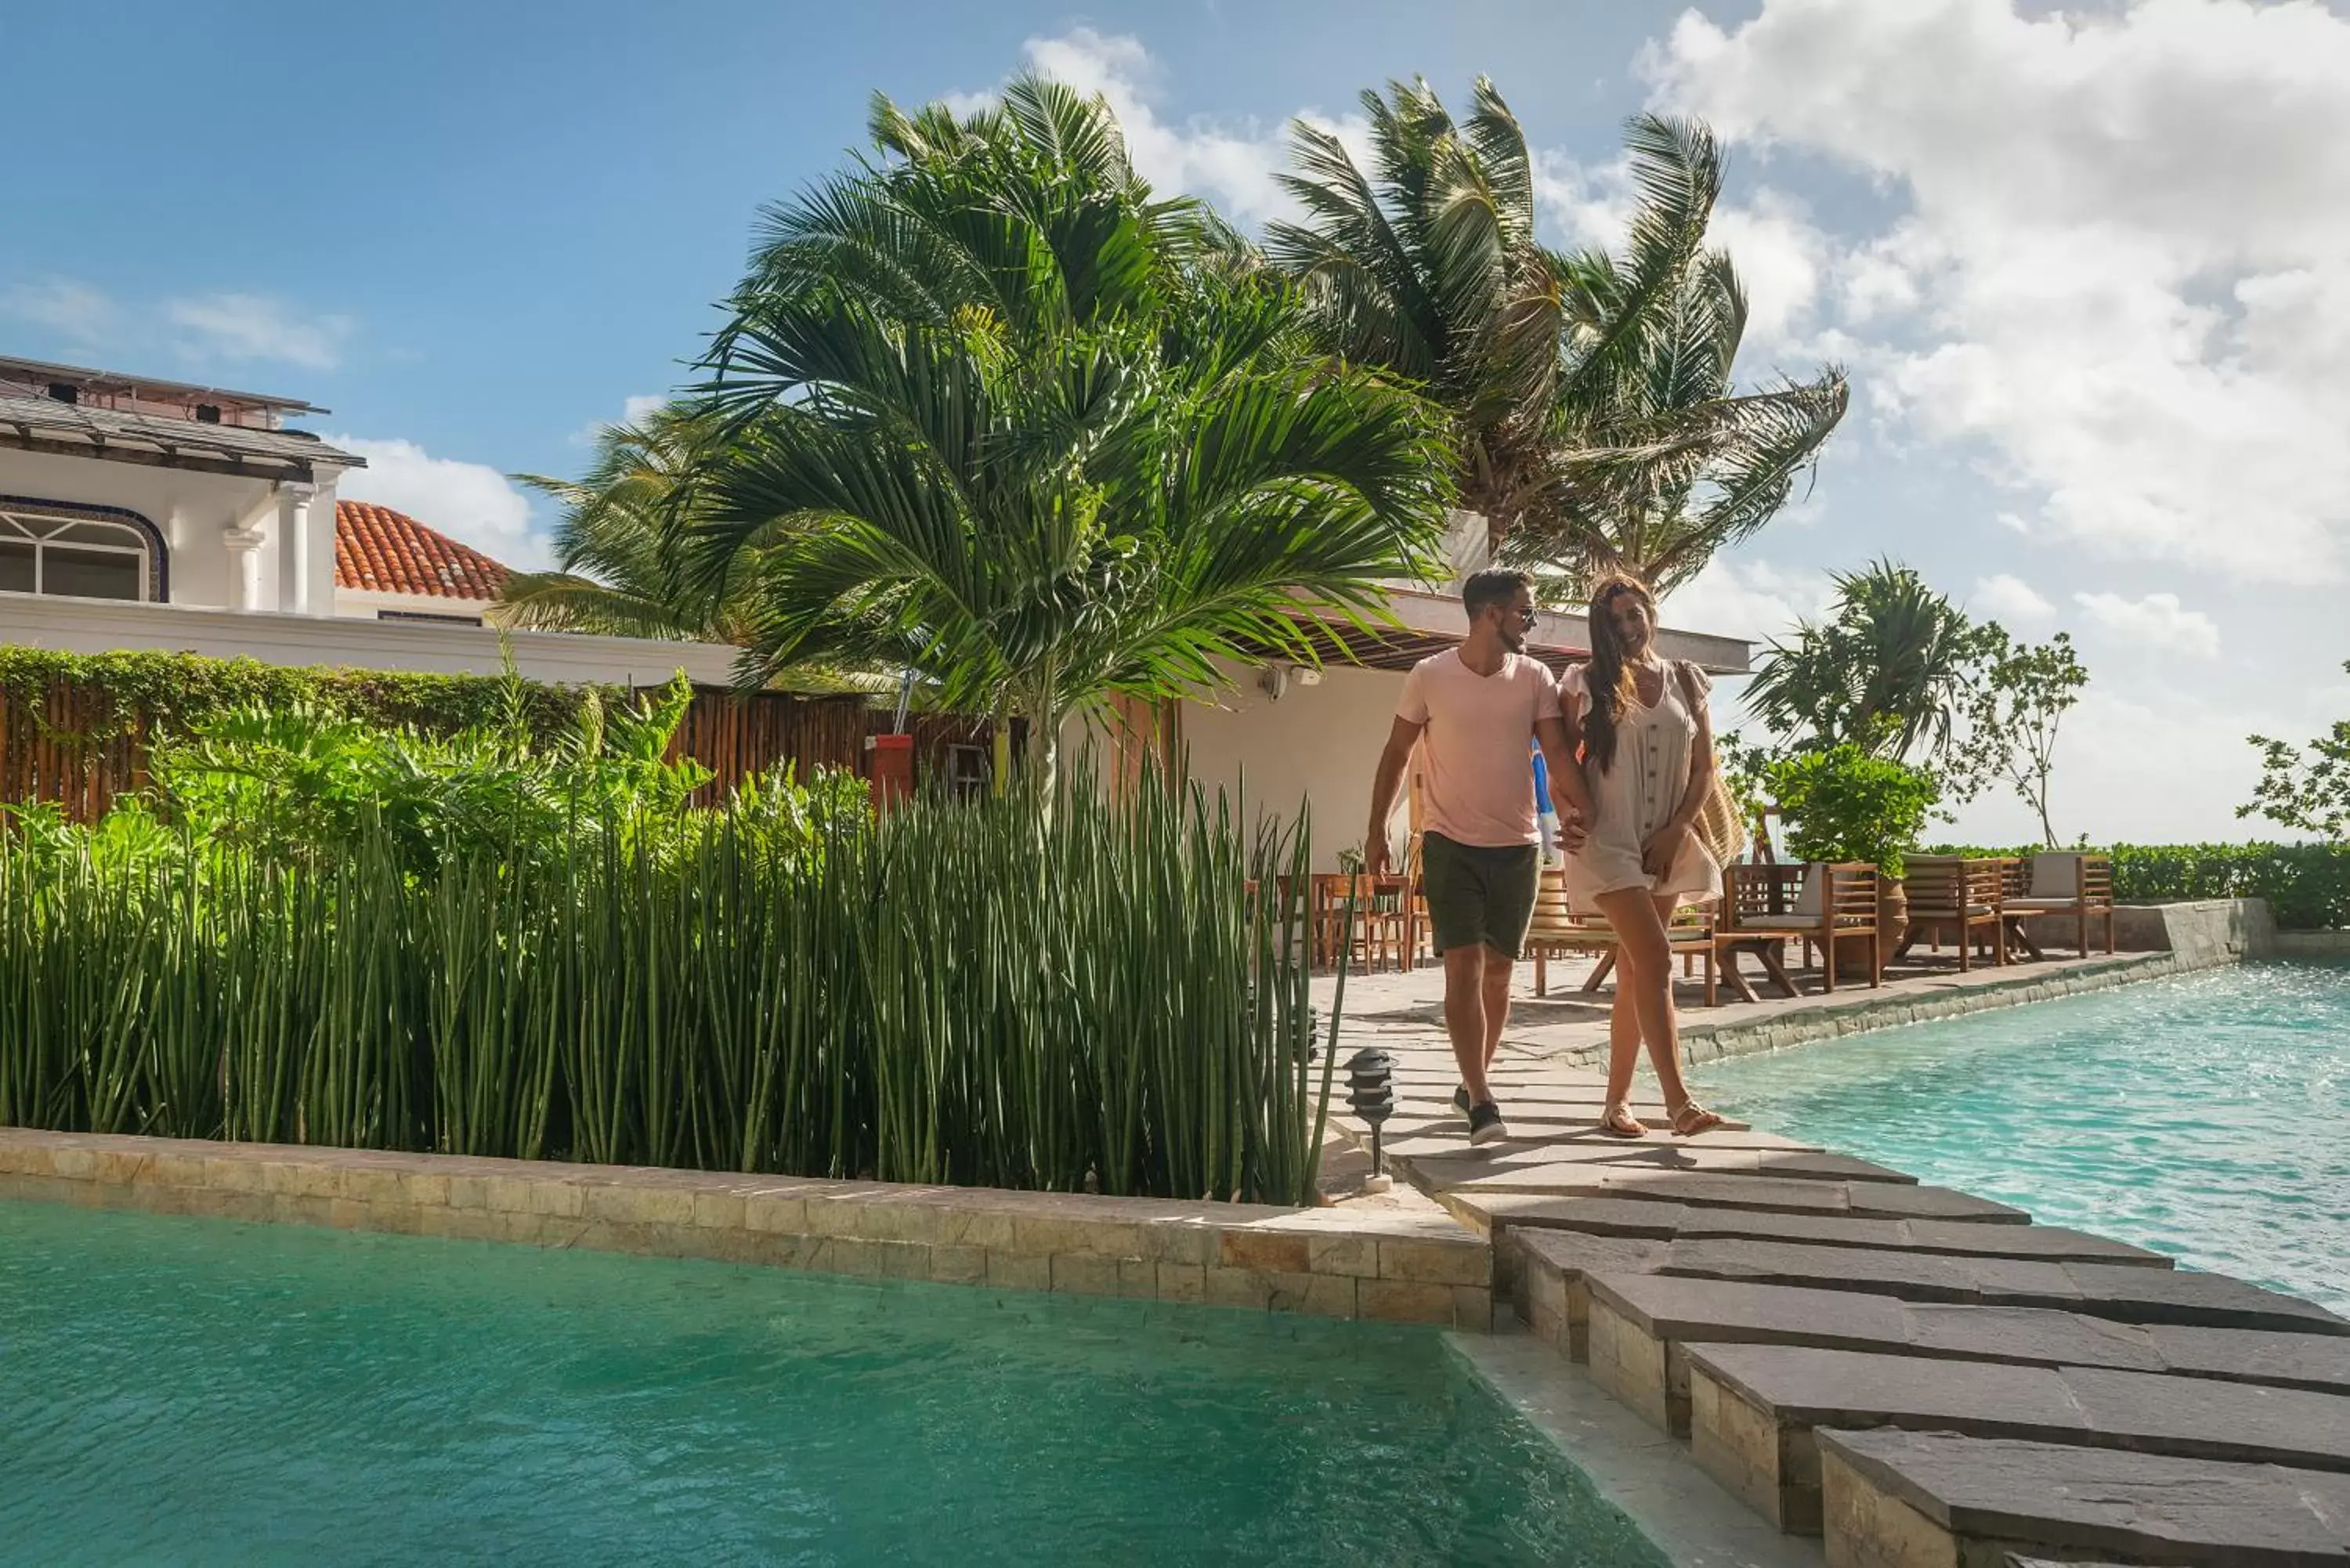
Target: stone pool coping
1345,1261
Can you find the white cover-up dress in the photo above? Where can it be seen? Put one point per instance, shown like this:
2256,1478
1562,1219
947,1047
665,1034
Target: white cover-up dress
1637,795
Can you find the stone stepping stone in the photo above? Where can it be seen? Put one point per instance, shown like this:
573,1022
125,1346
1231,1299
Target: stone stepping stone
1660,1220
1488,1211
1753,1409
1559,1170
1536,1142
1440,1113
1896,1497
1548,1272
1639,1326
2124,1293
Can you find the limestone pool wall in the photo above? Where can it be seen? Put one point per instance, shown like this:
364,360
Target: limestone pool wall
1399,1265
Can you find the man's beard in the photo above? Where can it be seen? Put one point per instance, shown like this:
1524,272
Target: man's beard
1514,639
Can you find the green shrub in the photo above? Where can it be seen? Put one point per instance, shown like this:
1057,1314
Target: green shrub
2307,886
1844,805
293,780
174,693
995,993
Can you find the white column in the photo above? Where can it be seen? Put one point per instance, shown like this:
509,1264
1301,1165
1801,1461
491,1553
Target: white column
294,594
243,565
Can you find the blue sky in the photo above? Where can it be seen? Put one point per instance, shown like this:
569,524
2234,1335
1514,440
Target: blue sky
2090,272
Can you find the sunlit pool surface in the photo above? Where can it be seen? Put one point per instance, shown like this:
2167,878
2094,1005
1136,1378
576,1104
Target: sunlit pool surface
2205,1115
191,1392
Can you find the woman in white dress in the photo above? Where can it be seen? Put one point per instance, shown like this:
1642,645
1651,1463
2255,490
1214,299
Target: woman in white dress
1641,728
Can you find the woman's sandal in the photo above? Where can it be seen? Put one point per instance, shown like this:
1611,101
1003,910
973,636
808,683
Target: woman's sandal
1617,1121
1692,1119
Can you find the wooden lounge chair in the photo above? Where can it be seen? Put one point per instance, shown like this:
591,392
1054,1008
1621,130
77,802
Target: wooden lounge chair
1817,903
1558,930
2063,883
1959,894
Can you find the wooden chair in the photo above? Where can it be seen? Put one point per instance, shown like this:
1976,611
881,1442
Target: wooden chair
1558,930
1959,894
1817,903
2081,886
1383,921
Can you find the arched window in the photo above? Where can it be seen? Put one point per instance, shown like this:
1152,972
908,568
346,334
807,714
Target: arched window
74,558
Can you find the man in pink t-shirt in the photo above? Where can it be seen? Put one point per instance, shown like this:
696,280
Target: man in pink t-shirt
1472,710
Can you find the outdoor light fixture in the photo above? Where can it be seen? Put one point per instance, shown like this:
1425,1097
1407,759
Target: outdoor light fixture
1370,1095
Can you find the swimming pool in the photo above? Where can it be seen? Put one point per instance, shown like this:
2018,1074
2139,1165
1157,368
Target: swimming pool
2207,1115
198,1392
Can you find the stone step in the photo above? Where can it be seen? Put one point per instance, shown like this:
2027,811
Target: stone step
1640,1326
1753,1409
1558,1170
1659,1221
1548,1272
1895,1499
1530,1108
1766,1195
1538,1143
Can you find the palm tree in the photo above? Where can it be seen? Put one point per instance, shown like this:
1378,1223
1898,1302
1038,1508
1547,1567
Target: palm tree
997,414
1887,670
614,574
1433,273
1661,461
1596,420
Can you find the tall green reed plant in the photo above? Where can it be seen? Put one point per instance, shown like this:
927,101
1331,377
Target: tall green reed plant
1096,996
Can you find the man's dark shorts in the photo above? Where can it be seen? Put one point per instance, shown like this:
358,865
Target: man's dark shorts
1478,894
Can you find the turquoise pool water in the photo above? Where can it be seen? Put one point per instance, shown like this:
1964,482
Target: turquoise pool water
196,1392
2205,1115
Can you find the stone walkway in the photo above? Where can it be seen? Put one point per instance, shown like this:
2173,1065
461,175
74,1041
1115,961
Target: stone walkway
1801,1320
1571,1025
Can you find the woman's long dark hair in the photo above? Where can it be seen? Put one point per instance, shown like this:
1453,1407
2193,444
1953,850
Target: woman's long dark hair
1607,676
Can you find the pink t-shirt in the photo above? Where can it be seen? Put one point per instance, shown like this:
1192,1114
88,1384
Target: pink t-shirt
1480,781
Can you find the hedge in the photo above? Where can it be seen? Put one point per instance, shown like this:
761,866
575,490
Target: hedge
2307,886
178,690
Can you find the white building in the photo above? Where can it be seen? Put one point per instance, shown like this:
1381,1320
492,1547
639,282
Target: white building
137,513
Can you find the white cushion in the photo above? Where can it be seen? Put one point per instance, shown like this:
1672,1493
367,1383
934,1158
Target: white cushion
2065,903
1807,902
2056,877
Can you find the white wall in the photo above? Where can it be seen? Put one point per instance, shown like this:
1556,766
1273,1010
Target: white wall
193,510
1318,744
94,626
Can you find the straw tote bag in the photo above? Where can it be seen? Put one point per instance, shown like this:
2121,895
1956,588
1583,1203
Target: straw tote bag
1720,826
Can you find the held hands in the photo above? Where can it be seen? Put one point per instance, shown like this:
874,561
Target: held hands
1573,830
1663,848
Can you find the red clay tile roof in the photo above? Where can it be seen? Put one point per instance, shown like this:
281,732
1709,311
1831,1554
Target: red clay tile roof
378,550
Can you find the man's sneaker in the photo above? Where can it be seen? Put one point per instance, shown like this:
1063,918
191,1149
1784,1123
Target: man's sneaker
1485,1125
1461,1099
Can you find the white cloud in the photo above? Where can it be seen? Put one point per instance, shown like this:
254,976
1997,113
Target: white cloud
75,311
2120,258
468,500
632,411
1750,599
254,327
2009,599
1233,164
2156,621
